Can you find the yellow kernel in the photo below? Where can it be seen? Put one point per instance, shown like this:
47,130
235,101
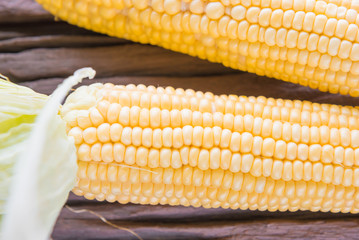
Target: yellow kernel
167,136
83,119
276,18
238,12
264,17
196,6
214,158
246,142
303,152
338,175
107,152
277,170
317,172
252,14
193,156
124,116
153,158
165,157
291,151
287,170
235,163
247,161
298,170
176,159
113,112
197,136
96,117
103,132
235,142
214,10
333,48
268,147
226,156
203,160
319,24
119,152
130,155
172,7
315,152
157,138
348,157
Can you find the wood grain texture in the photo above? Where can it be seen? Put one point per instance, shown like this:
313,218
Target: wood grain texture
39,52
166,222
22,11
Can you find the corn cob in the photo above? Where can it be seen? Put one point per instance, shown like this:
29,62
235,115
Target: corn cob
180,147
312,43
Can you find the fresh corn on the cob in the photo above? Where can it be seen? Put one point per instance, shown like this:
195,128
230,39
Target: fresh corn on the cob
309,42
180,147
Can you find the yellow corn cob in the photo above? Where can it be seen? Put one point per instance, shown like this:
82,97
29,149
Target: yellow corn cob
180,147
313,43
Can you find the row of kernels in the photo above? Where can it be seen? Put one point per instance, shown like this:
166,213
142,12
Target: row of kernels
222,159
335,61
163,101
337,9
271,129
132,95
312,42
294,60
290,115
301,105
160,6
166,102
189,176
245,26
185,175
314,80
298,61
240,200
299,21
336,151
324,80
308,171
265,17
245,130
241,139
342,3
165,157
343,9
298,170
155,117
237,115
282,189
96,116
113,93
287,71
222,196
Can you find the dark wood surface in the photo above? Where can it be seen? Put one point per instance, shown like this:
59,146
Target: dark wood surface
39,52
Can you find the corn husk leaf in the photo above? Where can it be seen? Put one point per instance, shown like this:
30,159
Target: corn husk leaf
37,159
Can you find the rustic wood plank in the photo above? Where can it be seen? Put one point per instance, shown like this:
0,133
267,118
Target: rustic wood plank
18,11
39,53
50,28
166,222
129,59
17,37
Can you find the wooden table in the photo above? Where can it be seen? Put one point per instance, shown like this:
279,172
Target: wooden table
39,52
